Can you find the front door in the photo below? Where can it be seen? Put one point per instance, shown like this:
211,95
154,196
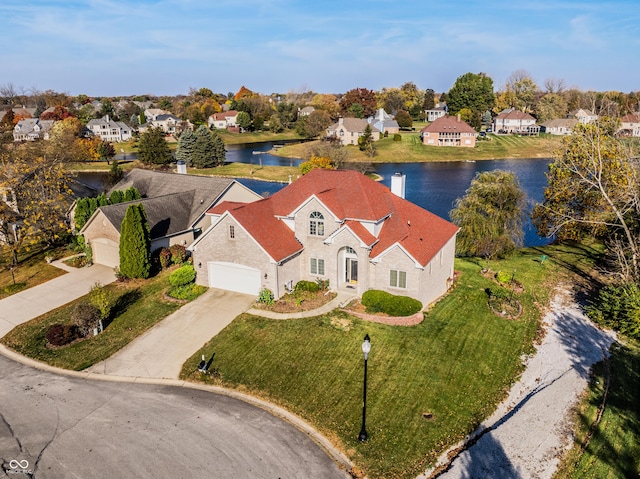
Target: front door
352,271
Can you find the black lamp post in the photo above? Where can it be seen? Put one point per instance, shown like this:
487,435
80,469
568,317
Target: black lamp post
366,347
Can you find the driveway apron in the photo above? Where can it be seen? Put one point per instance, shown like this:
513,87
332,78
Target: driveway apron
161,351
31,303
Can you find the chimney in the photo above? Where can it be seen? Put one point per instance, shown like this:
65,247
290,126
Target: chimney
458,117
182,167
398,181
340,121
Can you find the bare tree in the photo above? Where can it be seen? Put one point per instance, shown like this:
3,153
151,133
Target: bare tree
9,92
555,85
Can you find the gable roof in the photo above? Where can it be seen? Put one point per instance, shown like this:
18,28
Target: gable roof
206,190
560,123
513,114
352,198
447,124
631,118
166,215
352,124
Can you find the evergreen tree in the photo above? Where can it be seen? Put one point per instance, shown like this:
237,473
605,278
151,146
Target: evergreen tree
186,144
116,196
153,148
135,243
208,149
115,174
131,194
82,213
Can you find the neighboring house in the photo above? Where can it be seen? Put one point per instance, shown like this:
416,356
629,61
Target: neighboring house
384,122
583,116
166,122
336,225
438,111
175,205
630,125
559,126
108,130
515,121
348,130
449,131
152,113
226,119
31,129
306,111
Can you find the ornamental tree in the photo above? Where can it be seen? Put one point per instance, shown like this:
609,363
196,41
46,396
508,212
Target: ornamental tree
135,243
490,215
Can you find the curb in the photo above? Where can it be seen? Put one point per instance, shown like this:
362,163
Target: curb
333,452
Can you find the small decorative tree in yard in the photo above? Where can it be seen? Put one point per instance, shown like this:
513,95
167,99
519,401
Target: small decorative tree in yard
135,244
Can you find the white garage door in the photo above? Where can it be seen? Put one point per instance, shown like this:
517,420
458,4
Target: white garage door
106,252
234,277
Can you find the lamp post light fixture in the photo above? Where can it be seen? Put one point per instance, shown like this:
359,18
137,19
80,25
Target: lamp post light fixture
366,347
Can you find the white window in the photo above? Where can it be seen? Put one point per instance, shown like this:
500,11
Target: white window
232,232
317,266
397,279
316,224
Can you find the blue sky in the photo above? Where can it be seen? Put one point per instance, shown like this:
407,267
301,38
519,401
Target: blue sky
117,47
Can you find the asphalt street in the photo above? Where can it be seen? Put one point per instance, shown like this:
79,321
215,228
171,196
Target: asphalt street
54,426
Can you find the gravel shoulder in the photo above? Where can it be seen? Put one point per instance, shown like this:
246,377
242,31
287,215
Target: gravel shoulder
528,433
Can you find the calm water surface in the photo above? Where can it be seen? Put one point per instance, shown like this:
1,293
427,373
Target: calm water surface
433,186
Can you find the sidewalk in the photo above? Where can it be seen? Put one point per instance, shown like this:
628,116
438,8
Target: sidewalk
31,303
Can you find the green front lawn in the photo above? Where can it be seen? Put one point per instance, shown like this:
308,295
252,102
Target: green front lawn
142,305
429,385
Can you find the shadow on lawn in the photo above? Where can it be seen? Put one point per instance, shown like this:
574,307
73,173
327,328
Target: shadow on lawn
122,303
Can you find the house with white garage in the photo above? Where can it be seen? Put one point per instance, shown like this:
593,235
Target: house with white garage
348,130
336,225
175,204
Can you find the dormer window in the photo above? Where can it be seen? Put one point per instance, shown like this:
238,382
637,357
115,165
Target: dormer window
316,224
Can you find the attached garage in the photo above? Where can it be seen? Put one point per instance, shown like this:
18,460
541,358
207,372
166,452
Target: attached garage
106,252
234,277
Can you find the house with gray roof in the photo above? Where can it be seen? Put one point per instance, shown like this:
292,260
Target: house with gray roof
384,122
31,129
175,205
108,130
348,130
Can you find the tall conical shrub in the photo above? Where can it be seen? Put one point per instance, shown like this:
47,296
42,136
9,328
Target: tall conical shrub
135,243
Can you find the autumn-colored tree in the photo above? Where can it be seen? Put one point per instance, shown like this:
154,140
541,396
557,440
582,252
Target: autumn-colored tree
490,215
243,92
67,144
594,190
38,196
316,162
313,125
365,98
328,103
59,113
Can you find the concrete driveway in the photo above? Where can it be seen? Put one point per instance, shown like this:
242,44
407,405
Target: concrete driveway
161,351
31,303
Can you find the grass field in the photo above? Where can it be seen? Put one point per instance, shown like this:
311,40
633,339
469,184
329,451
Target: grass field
429,385
410,149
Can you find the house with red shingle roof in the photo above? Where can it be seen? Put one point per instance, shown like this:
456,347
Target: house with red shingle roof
630,125
448,131
335,225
